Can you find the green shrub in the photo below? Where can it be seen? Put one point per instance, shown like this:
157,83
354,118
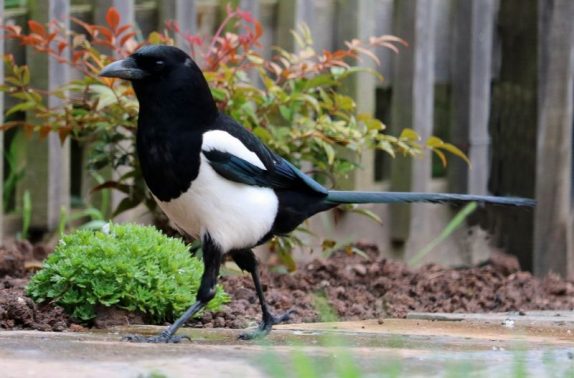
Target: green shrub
132,267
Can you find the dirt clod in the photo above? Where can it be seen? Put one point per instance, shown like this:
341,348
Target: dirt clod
19,311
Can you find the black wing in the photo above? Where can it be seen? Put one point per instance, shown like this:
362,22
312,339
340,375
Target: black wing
281,175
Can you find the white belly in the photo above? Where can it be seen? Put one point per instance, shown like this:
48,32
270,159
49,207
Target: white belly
235,215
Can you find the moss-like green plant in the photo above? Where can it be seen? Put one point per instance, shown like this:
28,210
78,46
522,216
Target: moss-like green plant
132,267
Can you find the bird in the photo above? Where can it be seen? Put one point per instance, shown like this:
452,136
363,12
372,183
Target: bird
216,181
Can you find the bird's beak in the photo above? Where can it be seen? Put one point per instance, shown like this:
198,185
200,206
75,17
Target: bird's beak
124,69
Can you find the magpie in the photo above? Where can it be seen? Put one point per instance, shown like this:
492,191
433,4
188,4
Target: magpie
217,182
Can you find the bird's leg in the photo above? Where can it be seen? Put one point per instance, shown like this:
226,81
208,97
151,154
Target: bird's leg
212,261
246,260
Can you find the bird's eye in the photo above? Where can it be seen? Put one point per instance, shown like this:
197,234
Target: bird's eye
157,65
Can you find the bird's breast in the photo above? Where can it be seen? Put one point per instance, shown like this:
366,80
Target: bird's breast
235,215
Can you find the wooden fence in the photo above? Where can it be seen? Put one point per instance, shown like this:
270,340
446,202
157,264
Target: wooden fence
494,77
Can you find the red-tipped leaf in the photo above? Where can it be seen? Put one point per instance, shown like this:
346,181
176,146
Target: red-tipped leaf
37,28
113,18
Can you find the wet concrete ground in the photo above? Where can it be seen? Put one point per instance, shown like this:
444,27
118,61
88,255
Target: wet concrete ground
494,345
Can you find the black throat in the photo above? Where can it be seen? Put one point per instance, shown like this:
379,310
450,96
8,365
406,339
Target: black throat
175,110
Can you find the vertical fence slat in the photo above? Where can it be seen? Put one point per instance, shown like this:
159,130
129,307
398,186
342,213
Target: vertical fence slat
324,13
384,13
442,25
251,6
268,18
254,8
2,133
354,21
291,15
412,107
208,13
47,174
184,12
471,70
553,251
512,126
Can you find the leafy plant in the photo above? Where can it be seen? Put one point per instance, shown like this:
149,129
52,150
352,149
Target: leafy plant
296,104
132,267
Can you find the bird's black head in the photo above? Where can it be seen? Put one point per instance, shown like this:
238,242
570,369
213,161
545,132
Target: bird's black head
165,77
150,62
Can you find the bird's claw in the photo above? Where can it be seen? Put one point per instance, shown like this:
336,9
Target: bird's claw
265,326
159,339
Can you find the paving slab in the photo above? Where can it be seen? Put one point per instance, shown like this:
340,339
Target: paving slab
421,346
539,318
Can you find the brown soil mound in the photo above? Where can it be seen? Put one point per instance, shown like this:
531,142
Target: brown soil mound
16,309
359,288
353,286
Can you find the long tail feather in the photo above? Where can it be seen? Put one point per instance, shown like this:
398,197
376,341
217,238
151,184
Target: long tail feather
340,197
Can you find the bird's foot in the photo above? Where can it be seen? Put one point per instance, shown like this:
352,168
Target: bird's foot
159,339
265,326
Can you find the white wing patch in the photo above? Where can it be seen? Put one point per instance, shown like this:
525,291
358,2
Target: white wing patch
223,141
